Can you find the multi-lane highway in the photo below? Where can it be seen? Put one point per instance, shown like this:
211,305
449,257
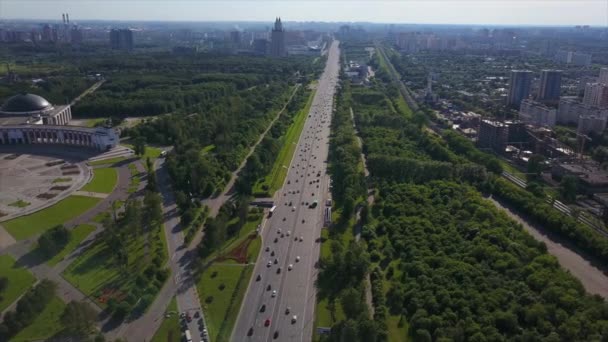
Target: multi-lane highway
279,303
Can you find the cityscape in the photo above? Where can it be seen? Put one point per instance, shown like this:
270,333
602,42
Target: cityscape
303,171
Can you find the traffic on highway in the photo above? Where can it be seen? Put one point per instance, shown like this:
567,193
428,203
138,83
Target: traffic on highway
279,303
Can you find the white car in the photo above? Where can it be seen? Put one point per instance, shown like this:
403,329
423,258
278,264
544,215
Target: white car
298,258
290,267
294,319
288,232
301,239
269,264
274,293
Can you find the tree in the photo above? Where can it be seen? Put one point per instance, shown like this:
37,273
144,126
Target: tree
53,240
535,166
78,318
139,146
352,302
568,187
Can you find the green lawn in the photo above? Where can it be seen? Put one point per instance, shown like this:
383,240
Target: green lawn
78,234
96,269
254,249
94,122
27,226
396,333
207,149
151,152
220,313
274,180
19,281
169,330
45,325
19,204
107,161
104,181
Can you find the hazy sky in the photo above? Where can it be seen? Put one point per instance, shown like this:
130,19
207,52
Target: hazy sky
548,12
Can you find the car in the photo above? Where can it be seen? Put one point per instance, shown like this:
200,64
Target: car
279,231
303,220
276,261
267,248
269,264
288,310
282,235
276,240
268,287
267,322
294,319
298,258
272,253
188,318
293,208
290,267
276,335
263,308
288,232
197,314
274,293
288,182
258,278
278,270
250,332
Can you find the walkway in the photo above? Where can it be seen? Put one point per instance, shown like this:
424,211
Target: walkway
87,92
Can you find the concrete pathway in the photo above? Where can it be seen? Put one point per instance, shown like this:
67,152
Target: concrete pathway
90,194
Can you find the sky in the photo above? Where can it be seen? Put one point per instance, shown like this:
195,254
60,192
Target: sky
498,12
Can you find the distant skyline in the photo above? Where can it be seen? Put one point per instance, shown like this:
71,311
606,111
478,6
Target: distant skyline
477,12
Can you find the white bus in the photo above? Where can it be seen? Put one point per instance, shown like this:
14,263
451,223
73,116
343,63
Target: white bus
188,337
271,211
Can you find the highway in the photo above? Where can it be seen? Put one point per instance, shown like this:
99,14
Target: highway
290,236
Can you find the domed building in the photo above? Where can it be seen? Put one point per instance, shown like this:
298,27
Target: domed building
31,119
33,109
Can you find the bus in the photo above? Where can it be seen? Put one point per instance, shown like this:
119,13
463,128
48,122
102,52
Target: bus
271,211
188,337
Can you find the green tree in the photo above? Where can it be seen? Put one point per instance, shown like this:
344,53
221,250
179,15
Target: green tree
78,318
139,146
535,166
567,188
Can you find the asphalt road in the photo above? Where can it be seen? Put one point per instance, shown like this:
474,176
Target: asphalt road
292,232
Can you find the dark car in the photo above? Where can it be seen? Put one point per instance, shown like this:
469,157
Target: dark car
276,335
259,277
250,332
263,308
268,287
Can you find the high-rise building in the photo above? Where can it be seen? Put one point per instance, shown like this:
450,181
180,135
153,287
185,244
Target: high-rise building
519,87
277,40
235,37
550,86
493,134
571,109
536,113
47,33
603,76
260,46
596,94
121,39
563,56
591,123
581,59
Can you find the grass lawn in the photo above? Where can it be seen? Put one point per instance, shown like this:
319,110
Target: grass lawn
274,180
78,234
169,330
207,149
94,122
96,269
220,312
19,204
104,181
254,249
36,223
19,281
45,325
107,161
152,152
396,333
134,182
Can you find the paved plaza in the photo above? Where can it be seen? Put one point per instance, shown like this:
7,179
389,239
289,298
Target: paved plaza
31,182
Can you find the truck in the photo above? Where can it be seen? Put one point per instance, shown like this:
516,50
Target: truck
188,336
271,211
